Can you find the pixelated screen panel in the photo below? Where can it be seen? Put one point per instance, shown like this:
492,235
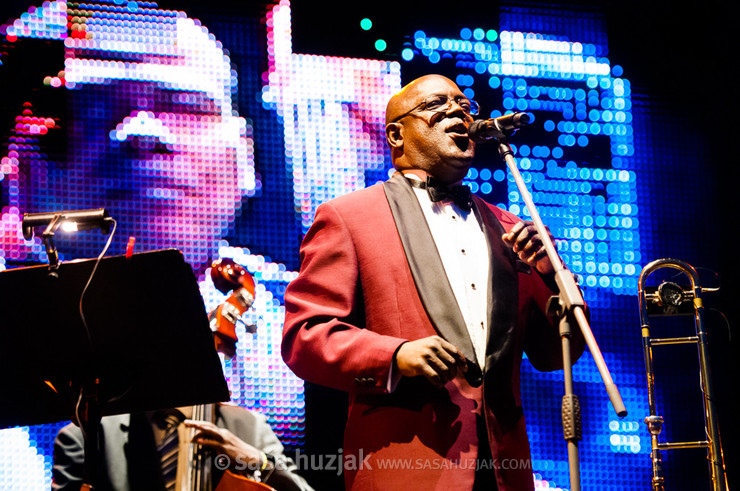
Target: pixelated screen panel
218,136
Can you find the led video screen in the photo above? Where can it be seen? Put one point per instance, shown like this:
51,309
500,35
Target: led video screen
218,132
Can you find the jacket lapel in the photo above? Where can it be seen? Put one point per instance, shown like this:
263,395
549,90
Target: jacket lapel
503,291
428,271
503,307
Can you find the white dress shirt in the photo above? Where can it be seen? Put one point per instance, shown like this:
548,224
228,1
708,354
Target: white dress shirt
462,246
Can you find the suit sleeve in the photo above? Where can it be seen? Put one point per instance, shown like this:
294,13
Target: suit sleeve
69,457
324,339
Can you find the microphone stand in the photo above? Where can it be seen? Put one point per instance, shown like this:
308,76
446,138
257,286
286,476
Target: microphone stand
566,306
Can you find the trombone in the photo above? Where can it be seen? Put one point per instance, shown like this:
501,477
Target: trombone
671,299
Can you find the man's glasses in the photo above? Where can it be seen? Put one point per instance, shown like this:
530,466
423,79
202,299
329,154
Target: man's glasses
441,103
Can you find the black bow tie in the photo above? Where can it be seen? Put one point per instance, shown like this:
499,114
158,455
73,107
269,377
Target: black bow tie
459,194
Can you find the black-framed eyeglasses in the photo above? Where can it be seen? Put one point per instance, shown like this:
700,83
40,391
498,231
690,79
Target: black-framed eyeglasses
441,103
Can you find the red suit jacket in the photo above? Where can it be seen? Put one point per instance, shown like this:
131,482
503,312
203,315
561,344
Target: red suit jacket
370,279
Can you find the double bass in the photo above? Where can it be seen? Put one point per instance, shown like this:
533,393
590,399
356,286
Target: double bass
194,468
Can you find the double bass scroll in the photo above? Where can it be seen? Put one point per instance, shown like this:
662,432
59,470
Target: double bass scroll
229,276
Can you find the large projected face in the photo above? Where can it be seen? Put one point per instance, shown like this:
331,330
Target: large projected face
149,128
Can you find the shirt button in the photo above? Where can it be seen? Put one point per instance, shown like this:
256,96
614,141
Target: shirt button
472,285
463,251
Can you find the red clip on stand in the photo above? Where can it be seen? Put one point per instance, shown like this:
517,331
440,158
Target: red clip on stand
130,247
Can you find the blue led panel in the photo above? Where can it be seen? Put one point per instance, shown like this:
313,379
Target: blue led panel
593,186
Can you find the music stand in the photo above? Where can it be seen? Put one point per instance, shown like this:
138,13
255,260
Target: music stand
149,346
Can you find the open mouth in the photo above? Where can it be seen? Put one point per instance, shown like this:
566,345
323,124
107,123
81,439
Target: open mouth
459,134
458,131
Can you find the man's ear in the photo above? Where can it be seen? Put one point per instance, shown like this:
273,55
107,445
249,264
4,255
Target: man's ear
394,135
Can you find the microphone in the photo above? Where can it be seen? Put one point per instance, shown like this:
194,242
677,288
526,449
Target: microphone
75,219
484,129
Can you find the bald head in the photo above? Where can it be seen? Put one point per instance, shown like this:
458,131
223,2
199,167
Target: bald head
411,95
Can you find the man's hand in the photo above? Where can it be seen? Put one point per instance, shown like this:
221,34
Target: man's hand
527,244
433,358
242,456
